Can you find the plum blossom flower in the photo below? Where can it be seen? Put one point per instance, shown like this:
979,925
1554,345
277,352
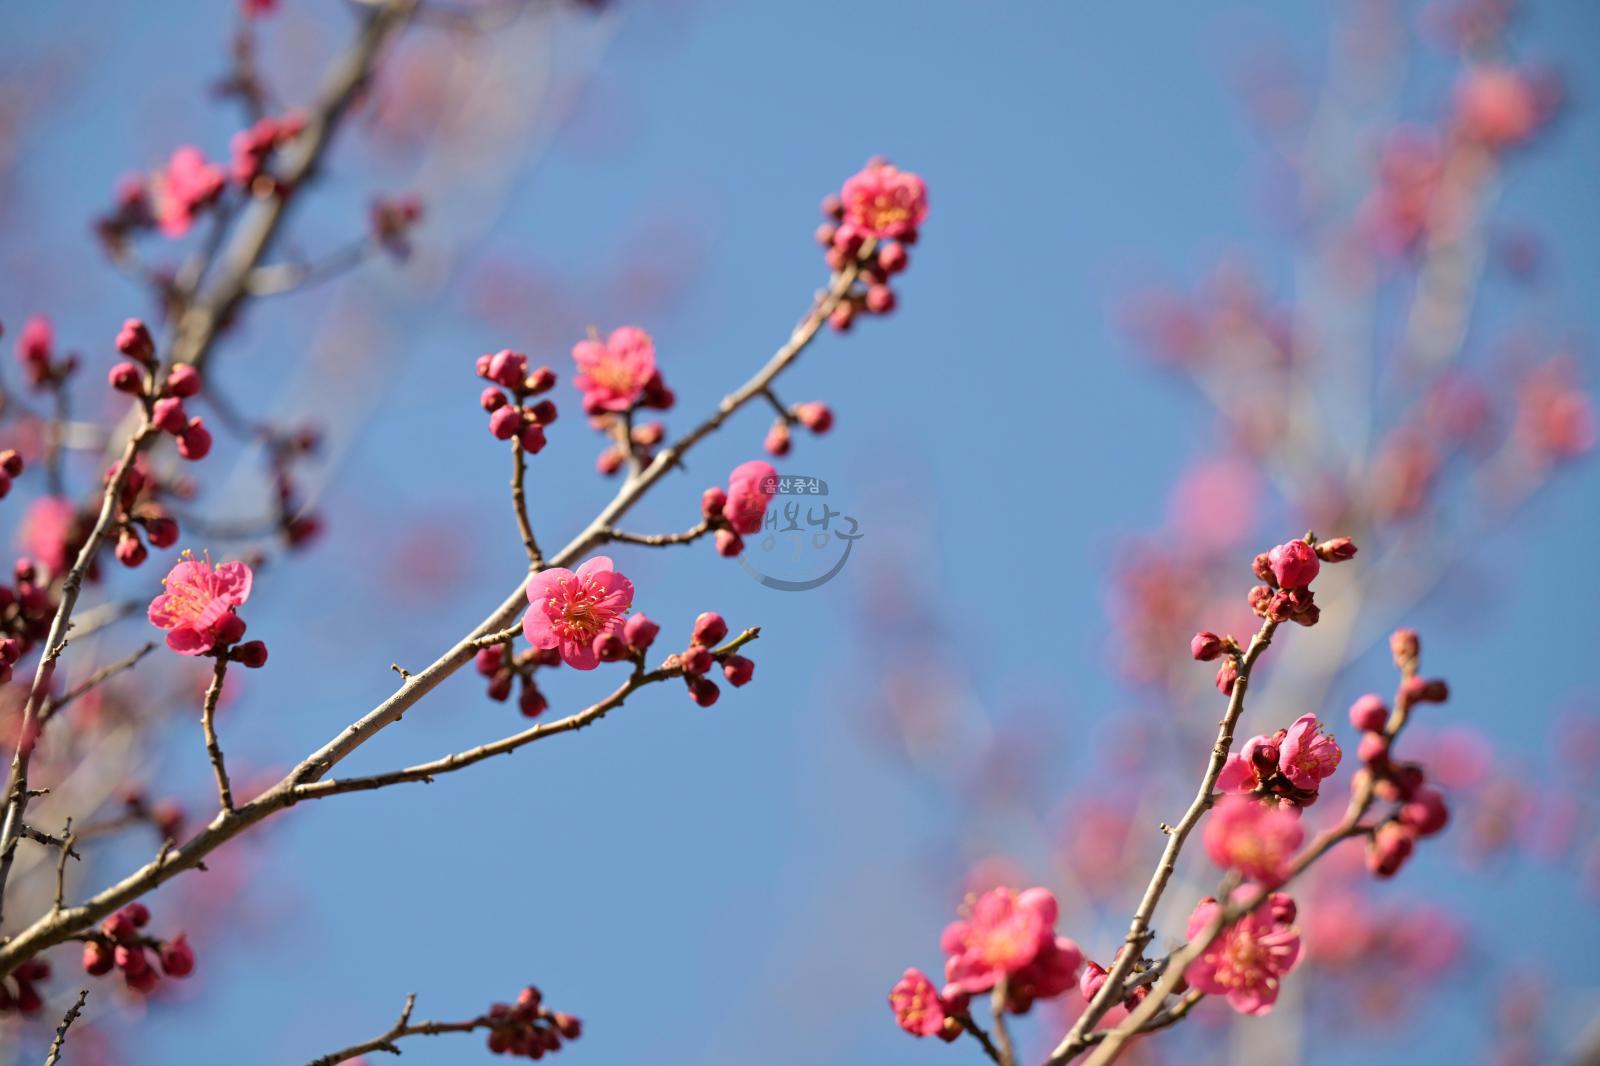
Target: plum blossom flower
186,185
1294,565
1257,839
917,1005
884,201
750,488
573,612
197,608
1243,772
1005,935
613,374
1248,959
1308,753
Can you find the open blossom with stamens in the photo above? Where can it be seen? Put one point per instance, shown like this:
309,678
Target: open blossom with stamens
197,608
1248,959
884,201
917,1005
186,185
572,612
1005,935
1257,839
1308,753
613,374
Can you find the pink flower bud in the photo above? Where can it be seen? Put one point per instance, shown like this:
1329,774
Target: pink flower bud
567,1025
131,958
230,629
729,543
1261,566
492,399
1089,984
169,416
125,377
777,442
712,501
1405,646
130,550
709,629
1425,813
611,648
183,381
640,632
817,417
832,206
1391,846
505,422
97,959
842,317
544,412
609,461
532,702
508,368
177,957
880,299
892,258
138,914
134,341
1227,674
1369,713
118,927
702,690
194,443
1373,749
11,462
738,670
1206,646
251,654
162,532
533,439
143,981
1336,550
541,380
1260,599
826,233
1432,690
697,660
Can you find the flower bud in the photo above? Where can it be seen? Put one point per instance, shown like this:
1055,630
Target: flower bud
1227,674
880,299
125,377
697,660
169,416
738,670
1391,846
1369,713
138,914
230,629
11,462
531,702
640,632
97,959
611,648
712,501
252,654
541,380
532,438
177,957
702,690
134,341
817,417
130,550
1405,646
778,440
1206,646
183,381
1094,976
194,443
729,543
505,422
492,399
892,258
1425,813
1336,550
161,531
709,629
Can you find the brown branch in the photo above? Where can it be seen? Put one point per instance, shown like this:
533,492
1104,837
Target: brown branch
1139,933
400,1030
1002,1035
208,714
67,840
977,1032
519,503
659,540
53,929
61,1030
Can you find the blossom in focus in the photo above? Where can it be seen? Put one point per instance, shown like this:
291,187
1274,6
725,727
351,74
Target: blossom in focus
1249,958
187,185
1005,934
572,612
916,1004
1257,839
613,374
197,608
1308,754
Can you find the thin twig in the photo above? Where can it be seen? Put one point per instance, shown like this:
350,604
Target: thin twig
401,1029
659,540
208,714
93,681
519,504
61,1030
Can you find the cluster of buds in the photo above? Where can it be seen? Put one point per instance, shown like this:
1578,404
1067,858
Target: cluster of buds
135,511
513,417
505,667
1418,810
163,400
26,610
529,1029
120,944
698,659
814,416
253,147
1286,573
24,997
392,219
740,509
36,354
618,377
870,222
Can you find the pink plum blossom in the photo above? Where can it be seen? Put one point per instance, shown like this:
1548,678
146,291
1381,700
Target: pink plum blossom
1249,958
186,185
917,1006
1294,565
749,491
1257,839
1005,933
884,201
1308,753
613,374
199,602
572,612
1243,770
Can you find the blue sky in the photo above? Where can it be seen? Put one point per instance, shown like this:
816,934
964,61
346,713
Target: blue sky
744,884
